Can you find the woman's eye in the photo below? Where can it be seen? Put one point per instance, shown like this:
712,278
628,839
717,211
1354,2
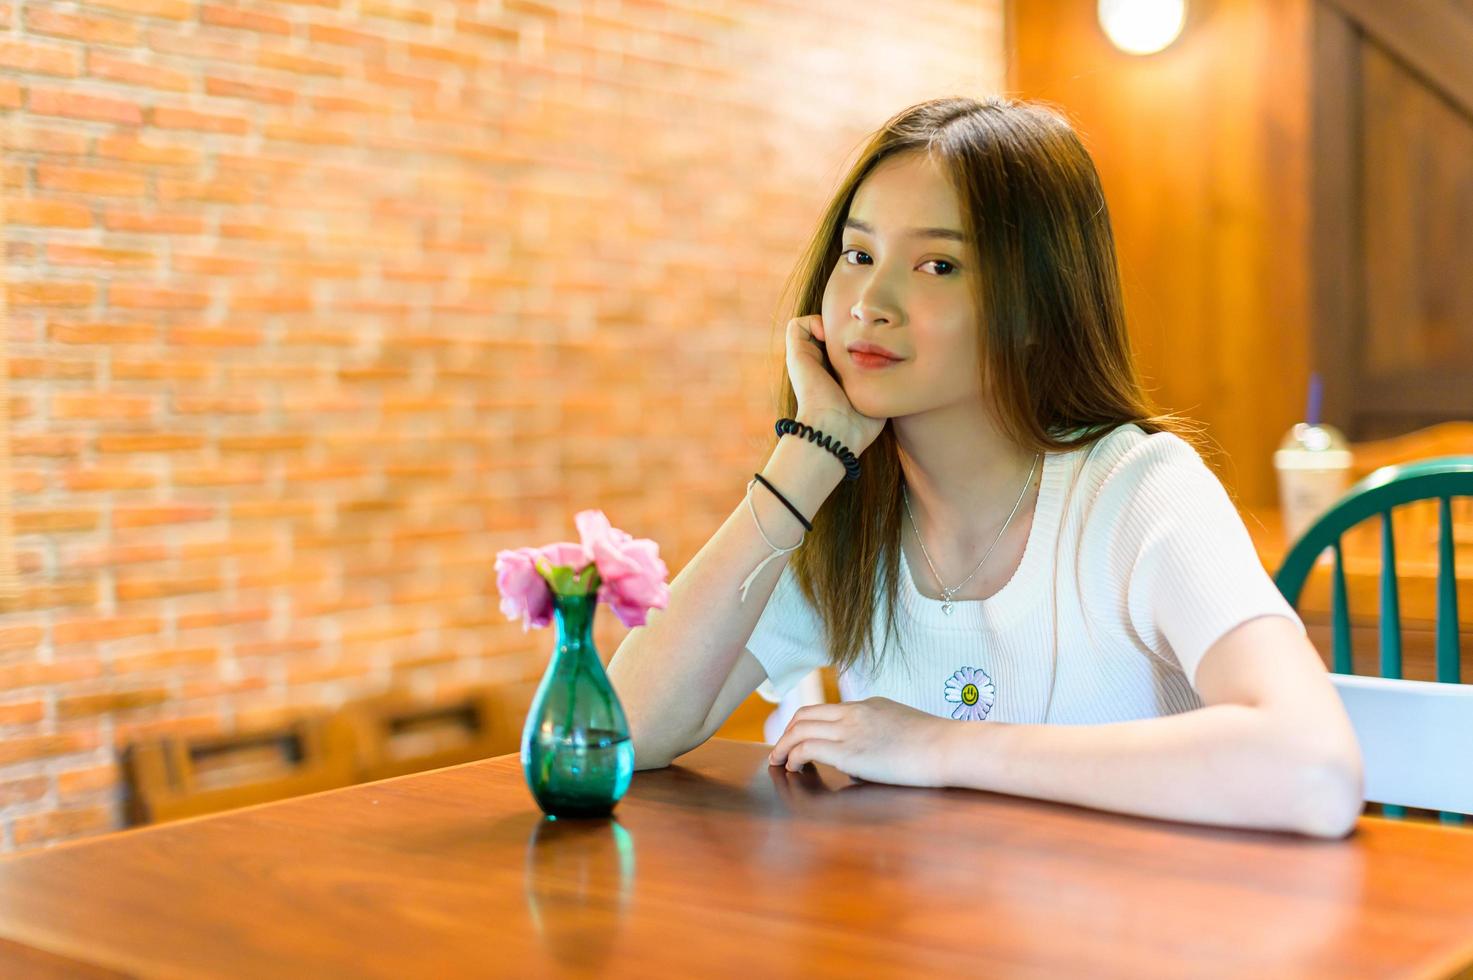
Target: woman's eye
947,268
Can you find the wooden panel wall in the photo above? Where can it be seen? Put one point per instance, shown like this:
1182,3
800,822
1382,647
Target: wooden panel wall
1203,149
1393,96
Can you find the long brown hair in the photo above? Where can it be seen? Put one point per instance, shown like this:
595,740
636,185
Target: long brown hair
1055,358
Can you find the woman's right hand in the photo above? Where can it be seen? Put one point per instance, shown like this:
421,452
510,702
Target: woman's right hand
822,402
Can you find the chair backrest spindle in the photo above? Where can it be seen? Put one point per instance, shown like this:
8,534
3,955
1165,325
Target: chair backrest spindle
1449,653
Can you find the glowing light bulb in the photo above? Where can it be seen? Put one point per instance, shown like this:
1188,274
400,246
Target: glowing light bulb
1142,26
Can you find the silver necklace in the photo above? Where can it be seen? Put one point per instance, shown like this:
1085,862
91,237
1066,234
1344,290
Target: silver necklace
947,595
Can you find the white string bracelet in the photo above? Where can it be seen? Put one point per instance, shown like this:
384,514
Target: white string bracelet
776,551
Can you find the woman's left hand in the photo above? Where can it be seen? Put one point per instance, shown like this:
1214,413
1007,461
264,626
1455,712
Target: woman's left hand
876,739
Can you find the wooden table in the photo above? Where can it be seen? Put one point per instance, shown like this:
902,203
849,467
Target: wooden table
722,865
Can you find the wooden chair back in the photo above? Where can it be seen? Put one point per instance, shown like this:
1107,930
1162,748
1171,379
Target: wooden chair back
174,776
395,734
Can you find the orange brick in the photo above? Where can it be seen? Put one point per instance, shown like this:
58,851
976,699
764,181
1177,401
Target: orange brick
13,638
103,333
42,139
215,337
333,34
315,135
234,547
404,12
89,255
222,16
171,223
280,300
263,443
233,89
170,659
298,64
152,516
84,593
172,368
46,445
217,404
15,176
52,294
129,588
26,674
47,521
29,481
130,296
134,150
148,442
26,748
60,825
467,60
125,732
108,405
216,265
166,117
94,30
24,790
95,629
54,368
93,779
10,94
80,180
108,703
74,105
224,617
101,64
84,558
48,214
25,712
166,9
503,34
222,190
39,58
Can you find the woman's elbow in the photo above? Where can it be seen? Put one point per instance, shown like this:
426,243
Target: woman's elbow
1331,795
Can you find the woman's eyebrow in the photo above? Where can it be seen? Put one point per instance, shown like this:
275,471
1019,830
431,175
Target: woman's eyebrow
949,233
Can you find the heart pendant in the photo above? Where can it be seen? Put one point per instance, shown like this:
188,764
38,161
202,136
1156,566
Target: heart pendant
946,608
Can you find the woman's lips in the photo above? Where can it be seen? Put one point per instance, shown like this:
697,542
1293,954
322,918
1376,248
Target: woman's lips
872,361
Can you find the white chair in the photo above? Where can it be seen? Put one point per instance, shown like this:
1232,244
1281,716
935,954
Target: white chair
1416,739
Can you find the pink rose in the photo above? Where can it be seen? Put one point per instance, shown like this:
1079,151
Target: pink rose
631,574
524,592
567,554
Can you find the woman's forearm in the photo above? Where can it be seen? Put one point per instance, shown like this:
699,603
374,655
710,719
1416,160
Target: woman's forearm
669,671
1228,764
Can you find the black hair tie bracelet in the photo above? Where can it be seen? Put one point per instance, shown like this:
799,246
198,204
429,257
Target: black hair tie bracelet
789,427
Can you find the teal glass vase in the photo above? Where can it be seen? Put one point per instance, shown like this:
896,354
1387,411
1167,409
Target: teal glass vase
576,752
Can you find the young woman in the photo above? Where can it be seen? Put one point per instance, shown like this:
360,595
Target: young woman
1034,585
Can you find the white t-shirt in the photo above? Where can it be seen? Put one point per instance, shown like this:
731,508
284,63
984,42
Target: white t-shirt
1136,563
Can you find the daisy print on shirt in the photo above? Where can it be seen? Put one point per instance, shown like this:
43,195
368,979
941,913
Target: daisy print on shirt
973,693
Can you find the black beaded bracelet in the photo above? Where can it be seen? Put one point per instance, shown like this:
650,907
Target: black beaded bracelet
796,512
786,427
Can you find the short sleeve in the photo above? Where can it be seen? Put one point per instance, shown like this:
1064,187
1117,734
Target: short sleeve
1166,546
788,640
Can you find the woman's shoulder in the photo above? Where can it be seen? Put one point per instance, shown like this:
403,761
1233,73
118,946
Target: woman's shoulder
1128,456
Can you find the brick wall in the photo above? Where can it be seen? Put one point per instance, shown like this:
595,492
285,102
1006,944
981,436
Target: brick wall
314,305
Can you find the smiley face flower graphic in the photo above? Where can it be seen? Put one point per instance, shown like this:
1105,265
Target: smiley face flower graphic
973,693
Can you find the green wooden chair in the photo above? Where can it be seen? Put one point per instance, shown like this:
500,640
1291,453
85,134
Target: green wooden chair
1376,495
